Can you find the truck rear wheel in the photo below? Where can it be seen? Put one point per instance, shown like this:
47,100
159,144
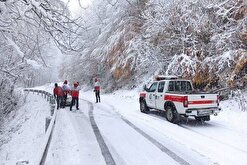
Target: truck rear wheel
172,115
143,107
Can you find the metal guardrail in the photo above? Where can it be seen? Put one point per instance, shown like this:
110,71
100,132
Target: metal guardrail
49,124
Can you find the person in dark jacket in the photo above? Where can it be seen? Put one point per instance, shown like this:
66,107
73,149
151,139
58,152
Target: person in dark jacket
97,89
58,94
75,96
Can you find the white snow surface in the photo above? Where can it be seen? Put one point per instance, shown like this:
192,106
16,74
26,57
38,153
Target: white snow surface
223,140
23,135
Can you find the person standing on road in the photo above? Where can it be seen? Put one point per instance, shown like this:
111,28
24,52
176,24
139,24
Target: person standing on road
58,94
97,89
75,96
66,89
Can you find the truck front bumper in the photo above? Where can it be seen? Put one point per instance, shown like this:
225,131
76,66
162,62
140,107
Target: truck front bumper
202,111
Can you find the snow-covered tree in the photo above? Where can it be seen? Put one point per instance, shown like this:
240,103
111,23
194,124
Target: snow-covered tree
28,28
127,41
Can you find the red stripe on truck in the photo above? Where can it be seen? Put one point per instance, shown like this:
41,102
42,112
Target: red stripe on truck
174,98
202,102
183,99
142,94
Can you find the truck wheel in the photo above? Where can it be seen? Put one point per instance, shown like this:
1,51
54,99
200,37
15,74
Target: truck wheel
206,118
143,107
172,115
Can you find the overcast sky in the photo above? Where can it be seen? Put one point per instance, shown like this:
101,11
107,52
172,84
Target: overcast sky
76,5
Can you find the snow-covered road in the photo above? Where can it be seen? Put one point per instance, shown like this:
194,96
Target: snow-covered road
136,138
118,142
73,140
116,132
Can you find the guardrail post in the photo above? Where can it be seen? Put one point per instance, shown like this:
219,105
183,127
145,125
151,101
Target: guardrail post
48,97
231,94
52,99
52,109
47,122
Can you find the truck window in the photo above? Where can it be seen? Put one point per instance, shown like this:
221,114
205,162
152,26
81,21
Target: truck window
153,87
161,87
189,87
180,86
171,86
186,86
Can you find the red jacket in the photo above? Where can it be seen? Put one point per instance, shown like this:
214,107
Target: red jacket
58,91
97,88
75,92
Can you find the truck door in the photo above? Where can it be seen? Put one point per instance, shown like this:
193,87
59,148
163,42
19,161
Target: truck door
151,95
160,96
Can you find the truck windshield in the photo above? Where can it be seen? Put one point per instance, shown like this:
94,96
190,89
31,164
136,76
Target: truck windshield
153,87
180,86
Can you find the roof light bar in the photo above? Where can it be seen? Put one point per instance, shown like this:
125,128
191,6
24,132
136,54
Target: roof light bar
161,77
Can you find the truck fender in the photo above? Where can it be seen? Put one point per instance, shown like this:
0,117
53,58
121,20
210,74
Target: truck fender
169,103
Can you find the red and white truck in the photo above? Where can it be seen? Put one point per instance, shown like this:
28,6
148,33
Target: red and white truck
177,98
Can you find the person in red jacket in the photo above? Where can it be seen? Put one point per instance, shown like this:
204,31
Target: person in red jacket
58,94
75,96
97,89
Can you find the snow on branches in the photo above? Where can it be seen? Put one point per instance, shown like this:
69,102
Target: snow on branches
141,38
28,28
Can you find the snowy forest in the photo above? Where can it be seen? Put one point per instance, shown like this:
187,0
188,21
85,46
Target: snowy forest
125,43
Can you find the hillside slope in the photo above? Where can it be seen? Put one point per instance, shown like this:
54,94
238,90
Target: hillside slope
205,41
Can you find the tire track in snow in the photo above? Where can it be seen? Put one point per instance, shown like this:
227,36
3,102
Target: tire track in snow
156,143
164,149
104,149
211,138
230,129
156,115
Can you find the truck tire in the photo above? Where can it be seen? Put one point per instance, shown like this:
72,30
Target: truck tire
172,115
143,107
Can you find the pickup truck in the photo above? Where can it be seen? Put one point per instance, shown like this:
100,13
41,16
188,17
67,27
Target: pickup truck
176,97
